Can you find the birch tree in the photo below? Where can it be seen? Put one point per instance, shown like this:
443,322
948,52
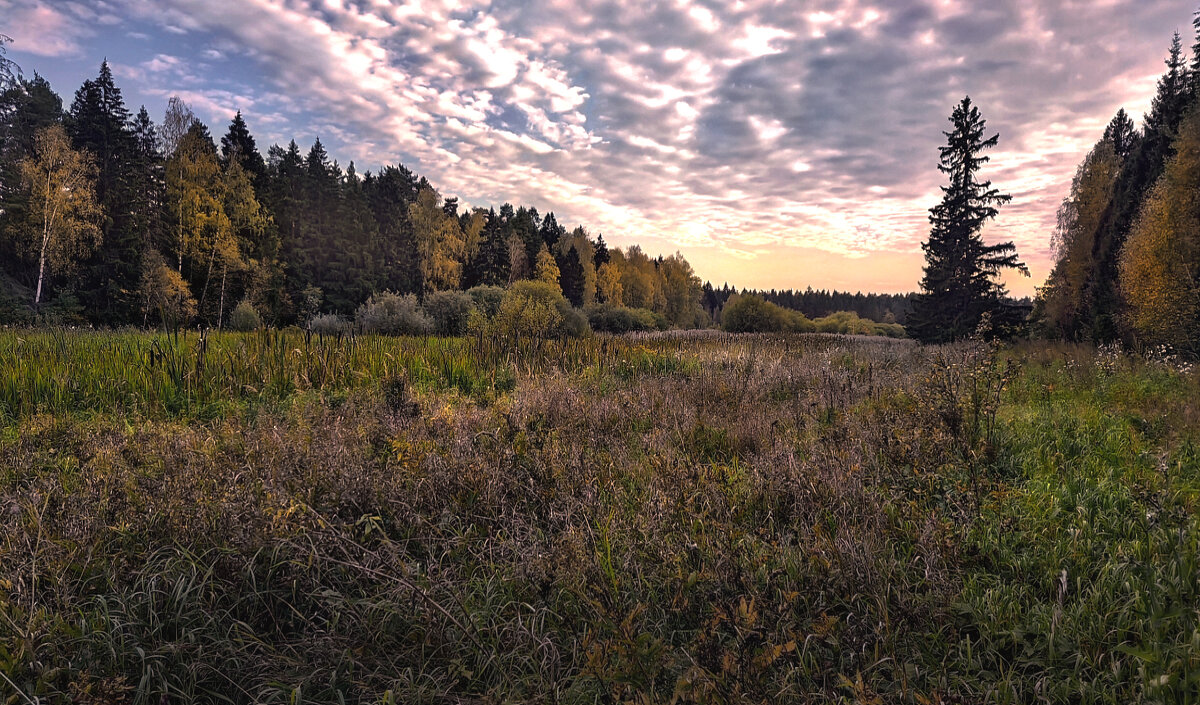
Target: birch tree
63,214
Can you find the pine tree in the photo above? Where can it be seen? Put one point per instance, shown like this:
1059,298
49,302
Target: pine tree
390,194
959,286
491,265
148,196
551,232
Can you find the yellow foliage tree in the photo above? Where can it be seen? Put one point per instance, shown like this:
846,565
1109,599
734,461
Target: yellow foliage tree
1065,295
63,211
248,221
195,183
546,269
608,283
1160,264
440,242
164,293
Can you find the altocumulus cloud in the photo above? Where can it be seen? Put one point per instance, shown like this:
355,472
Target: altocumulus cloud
775,143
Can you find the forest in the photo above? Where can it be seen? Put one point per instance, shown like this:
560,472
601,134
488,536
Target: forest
162,224
1128,236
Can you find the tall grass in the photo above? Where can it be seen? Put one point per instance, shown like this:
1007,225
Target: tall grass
195,373
674,519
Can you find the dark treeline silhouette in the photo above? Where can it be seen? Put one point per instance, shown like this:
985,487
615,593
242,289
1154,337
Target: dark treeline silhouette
818,303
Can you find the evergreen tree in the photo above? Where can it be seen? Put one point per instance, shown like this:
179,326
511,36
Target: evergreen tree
601,251
551,232
571,278
148,195
99,123
390,194
959,286
491,265
283,196
1195,67
239,144
1121,134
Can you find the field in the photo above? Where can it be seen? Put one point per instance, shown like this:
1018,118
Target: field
700,518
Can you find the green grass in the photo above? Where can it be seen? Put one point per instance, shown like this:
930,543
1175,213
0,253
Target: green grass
692,519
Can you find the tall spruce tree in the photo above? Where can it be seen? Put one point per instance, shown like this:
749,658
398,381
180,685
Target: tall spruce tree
390,193
99,123
960,284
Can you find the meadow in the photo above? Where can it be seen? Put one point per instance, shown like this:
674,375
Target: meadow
277,517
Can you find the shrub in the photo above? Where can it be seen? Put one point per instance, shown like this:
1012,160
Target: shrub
574,324
388,313
245,318
448,311
328,324
487,298
752,314
621,319
531,309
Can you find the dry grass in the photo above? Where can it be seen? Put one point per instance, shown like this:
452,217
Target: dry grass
706,519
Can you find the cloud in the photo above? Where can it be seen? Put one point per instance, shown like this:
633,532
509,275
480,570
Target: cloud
747,130
40,28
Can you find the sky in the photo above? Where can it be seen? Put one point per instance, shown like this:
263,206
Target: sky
776,144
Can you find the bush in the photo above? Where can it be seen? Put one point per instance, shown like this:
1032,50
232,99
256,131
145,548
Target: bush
621,319
328,324
849,323
487,299
532,309
388,313
448,311
573,323
245,318
751,314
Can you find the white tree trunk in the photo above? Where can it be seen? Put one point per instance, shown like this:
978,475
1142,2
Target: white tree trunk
221,308
37,296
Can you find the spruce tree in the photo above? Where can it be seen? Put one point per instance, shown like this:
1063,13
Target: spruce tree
239,143
1121,134
601,252
571,277
99,123
960,285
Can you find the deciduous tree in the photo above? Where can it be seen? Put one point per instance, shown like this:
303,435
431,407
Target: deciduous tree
63,211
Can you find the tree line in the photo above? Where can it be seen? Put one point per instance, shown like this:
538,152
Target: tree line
112,219
816,303
1127,244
